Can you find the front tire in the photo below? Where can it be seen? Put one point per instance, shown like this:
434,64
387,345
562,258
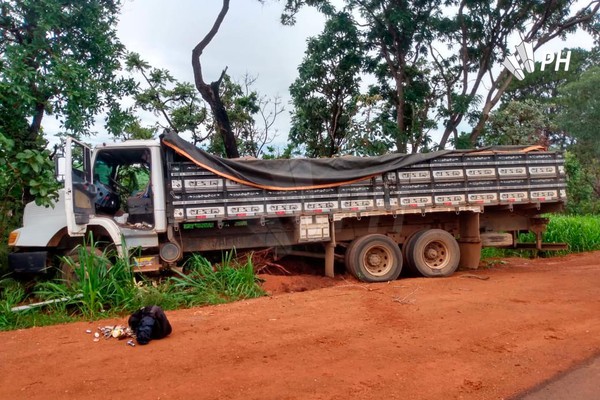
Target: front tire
374,258
67,270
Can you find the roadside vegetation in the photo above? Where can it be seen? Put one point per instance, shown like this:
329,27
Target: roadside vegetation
580,232
105,288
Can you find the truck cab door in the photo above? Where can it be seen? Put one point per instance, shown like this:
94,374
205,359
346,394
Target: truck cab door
80,192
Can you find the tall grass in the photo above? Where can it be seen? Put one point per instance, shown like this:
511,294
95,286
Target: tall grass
11,293
225,282
580,232
99,285
105,285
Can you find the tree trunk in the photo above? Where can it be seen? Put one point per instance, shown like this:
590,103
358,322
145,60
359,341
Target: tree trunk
492,99
210,93
36,125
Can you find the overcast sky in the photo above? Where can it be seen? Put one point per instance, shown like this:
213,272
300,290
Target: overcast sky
251,40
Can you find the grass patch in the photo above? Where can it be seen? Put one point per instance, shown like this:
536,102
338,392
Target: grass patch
226,282
580,232
103,289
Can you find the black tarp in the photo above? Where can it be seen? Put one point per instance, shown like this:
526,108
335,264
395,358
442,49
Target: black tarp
295,174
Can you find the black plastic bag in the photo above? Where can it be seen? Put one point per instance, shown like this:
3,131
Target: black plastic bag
149,323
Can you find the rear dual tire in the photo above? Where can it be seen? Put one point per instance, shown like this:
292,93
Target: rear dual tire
432,253
374,258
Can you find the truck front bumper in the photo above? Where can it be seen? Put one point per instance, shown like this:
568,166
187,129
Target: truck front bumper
28,262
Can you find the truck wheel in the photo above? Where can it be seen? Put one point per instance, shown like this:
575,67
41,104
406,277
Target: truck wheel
406,250
67,270
433,252
374,258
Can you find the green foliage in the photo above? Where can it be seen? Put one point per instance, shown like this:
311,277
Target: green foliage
23,173
543,88
178,104
580,232
60,58
580,116
251,115
205,284
326,91
517,123
404,41
11,294
581,183
105,285
99,285
180,108
581,113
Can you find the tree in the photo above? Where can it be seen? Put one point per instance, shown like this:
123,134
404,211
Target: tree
394,34
544,86
210,92
58,57
580,114
326,90
179,108
253,115
452,46
176,103
397,35
518,123
478,35
244,107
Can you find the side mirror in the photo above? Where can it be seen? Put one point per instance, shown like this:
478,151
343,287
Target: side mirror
60,166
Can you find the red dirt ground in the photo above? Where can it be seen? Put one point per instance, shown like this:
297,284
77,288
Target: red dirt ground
415,338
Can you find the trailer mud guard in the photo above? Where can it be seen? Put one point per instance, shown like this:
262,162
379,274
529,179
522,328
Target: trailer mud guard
470,241
330,252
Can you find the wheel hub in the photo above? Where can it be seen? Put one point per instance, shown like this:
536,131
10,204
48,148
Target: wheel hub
378,260
374,260
436,255
431,253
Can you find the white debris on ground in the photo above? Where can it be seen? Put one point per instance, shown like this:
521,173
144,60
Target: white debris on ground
119,332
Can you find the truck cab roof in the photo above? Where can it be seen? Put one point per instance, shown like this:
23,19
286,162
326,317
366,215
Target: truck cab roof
129,143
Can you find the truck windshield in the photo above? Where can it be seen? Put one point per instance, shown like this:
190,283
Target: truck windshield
125,175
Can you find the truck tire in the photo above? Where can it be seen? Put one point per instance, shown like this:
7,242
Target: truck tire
374,258
408,268
433,253
67,270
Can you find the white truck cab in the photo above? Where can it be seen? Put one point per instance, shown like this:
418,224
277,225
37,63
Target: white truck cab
115,191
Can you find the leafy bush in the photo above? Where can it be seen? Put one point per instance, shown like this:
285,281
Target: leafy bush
583,199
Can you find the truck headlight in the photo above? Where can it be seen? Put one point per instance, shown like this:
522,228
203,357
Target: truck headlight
12,238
